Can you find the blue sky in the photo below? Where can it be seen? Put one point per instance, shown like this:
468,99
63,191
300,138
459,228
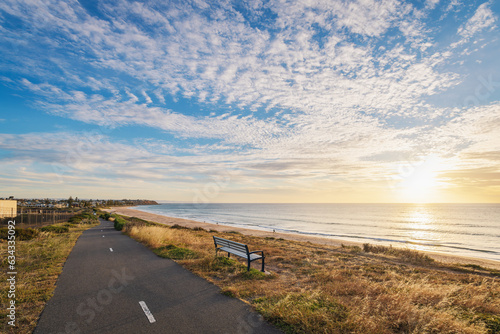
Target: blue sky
251,101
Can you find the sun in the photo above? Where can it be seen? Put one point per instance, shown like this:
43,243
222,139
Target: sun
420,185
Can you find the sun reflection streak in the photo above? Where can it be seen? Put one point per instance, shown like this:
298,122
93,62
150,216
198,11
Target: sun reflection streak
420,226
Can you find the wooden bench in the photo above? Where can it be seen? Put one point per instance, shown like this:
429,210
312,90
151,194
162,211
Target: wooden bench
232,247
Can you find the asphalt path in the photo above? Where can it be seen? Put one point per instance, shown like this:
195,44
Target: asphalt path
112,284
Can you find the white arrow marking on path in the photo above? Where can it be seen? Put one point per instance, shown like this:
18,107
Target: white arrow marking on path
147,312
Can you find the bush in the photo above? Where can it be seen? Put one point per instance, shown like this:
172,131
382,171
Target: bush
21,233
55,229
83,218
105,215
119,223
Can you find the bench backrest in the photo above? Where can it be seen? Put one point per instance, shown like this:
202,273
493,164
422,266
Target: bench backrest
231,244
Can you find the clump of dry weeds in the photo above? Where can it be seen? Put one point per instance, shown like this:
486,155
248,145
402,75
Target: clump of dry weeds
318,289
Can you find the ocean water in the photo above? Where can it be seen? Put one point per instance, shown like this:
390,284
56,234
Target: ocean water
460,229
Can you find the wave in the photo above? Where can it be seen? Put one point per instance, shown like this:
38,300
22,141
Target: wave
470,230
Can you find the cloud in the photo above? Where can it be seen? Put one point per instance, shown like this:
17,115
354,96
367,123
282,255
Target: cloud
431,4
232,62
286,90
482,19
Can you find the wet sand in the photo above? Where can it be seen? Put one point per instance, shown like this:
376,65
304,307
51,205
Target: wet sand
126,211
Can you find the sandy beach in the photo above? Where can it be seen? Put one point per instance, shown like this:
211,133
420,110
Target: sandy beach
127,211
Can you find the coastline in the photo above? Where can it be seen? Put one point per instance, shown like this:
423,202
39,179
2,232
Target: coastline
441,257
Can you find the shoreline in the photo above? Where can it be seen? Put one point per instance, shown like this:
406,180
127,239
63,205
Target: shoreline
441,257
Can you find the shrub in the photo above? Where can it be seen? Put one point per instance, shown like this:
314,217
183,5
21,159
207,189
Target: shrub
83,218
55,229
105,215
119,222
21,233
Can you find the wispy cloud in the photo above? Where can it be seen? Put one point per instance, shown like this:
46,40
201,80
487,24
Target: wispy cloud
285,90
483,18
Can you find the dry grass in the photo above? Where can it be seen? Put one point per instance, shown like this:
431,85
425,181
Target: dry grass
39,262
319,289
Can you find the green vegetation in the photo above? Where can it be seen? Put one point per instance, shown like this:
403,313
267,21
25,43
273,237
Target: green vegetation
321,289
21,233
305,312
40,256
105,215
84,218
119,222
175,253
55,228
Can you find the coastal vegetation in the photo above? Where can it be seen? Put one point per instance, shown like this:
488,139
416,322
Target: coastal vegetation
40,256
313,288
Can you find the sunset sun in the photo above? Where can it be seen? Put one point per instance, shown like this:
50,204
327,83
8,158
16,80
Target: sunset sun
421,183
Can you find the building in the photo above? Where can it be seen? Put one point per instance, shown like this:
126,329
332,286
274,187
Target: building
8,208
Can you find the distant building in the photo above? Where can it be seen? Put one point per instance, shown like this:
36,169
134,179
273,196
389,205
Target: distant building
8,208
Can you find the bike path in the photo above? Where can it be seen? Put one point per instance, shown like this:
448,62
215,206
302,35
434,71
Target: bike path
112,284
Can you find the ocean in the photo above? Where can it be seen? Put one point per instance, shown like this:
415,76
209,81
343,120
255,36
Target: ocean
459,229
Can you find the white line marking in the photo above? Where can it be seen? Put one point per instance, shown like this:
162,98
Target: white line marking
147,312
103,236
110,249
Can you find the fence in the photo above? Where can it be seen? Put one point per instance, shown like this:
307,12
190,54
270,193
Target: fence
40,217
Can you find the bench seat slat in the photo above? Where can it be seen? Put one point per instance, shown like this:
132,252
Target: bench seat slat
241,254
238,249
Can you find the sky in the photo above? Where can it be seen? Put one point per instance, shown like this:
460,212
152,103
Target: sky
251,101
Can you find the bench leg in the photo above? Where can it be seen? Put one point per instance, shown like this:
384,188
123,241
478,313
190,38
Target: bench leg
248,268
262,265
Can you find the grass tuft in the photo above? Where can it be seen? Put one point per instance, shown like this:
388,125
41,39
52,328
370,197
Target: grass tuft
303,312
405,254
175,253
253,274
352,249
179,227
492,323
